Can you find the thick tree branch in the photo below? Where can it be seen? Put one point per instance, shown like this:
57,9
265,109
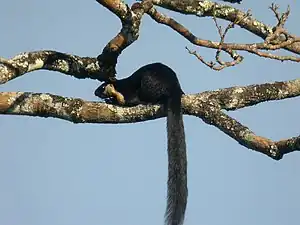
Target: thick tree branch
239,132
131,20
79,67
288,145
228,98
73,109
239,97
102,69
117,7
206,105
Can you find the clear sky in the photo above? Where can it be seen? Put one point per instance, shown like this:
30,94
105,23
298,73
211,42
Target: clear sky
54,172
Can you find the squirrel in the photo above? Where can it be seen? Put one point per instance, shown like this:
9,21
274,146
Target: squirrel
157,83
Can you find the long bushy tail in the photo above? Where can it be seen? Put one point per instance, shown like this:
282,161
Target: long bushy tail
177,169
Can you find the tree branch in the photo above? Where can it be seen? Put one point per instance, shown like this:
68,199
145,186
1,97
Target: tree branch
117,7
239,97
102,68
131,20
288,145
206,105
229,48
241,133
73,109
204,8
79,67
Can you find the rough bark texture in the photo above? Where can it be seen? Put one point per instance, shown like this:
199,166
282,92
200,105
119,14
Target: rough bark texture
206,105
79,67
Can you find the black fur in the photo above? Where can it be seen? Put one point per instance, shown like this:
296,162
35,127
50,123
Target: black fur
158,84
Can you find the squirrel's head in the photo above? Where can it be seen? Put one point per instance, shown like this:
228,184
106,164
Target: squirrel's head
108,92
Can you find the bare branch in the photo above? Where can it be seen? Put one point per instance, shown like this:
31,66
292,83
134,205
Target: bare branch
201,59
118,7
200,105
79,67
229,98
239,97
237,59
288,145
228,47
104,67
281,18
204,8
73,110
131,20
240,133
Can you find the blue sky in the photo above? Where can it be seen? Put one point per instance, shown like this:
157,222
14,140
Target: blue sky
54,172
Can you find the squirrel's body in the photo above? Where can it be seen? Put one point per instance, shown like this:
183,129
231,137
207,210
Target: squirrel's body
158,84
